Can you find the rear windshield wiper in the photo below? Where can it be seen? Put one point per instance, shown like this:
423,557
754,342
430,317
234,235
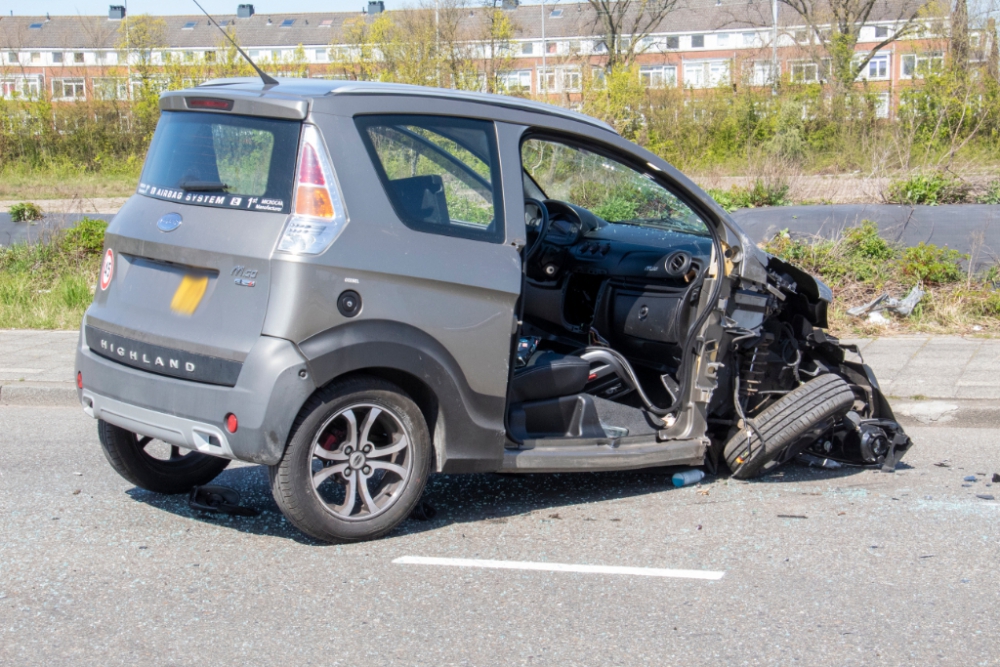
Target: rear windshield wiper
203,186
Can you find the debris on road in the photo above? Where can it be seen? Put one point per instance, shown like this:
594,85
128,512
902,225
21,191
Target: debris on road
969,478
996,478
217,499
811,460
902,307
985,496
792,516
688,477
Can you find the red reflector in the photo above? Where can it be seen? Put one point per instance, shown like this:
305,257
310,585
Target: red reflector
231,423
79,380
592,377
209,103
310,171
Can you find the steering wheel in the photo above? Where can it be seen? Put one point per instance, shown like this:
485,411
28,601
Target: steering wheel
543,227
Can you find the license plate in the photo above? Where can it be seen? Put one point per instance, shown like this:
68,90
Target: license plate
189,294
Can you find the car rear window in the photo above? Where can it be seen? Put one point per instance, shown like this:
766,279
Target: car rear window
211,159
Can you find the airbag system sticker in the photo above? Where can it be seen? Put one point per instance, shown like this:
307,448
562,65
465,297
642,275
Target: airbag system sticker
218,200
107,269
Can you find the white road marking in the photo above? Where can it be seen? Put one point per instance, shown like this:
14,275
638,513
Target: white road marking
711,575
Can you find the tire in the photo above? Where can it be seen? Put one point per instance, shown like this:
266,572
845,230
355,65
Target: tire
783,425
356,464
127,453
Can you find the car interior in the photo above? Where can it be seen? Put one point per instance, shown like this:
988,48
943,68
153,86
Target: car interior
613,270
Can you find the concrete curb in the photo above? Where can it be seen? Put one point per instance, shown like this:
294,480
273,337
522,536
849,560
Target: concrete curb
36,394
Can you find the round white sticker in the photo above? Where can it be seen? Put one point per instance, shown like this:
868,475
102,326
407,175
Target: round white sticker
108,269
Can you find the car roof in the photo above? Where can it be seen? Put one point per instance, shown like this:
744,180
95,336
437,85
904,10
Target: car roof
323,88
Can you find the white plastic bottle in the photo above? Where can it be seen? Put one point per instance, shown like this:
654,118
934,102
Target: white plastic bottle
688,477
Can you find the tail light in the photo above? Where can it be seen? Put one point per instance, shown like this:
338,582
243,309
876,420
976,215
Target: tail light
319,213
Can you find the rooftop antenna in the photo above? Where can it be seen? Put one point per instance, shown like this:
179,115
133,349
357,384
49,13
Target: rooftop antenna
266,78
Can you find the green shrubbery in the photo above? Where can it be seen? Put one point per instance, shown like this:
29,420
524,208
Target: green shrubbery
49,285
928,189
25,212
861,265
757,195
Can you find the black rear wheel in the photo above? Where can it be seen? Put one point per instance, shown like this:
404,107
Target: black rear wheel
154,465
789,426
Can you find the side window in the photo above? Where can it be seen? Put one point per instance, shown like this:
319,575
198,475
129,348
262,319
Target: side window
606,187
441,174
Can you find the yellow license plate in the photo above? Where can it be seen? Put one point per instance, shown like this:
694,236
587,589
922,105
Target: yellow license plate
189,294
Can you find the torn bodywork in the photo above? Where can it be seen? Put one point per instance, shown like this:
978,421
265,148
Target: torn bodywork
778,350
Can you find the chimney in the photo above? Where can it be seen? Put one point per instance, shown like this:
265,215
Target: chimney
116,12
376,6
244,11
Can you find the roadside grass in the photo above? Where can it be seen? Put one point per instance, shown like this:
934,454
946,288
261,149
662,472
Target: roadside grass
860,266
48,285
66,181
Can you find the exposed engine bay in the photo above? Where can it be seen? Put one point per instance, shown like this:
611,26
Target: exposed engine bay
651,332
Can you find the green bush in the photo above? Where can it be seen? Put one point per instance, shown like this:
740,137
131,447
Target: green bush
932,264
756,196
992,194
932,189
25,212
86,238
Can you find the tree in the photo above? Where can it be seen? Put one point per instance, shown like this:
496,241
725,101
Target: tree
498,52
837,24
623,26
960,36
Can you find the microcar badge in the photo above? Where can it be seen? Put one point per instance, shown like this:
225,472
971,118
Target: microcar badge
169,222
107,269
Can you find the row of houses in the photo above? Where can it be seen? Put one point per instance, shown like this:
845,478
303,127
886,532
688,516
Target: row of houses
699,44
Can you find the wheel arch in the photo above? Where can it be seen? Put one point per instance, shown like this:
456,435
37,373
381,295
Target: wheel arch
467,428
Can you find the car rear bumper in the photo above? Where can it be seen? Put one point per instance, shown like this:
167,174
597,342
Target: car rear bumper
272,386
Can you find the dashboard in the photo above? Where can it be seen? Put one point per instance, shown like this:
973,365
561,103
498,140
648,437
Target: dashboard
578,242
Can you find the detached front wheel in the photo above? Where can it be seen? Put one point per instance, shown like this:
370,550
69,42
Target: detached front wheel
788,426
356,464
156,466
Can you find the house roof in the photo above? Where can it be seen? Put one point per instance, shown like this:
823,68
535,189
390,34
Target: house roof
321,29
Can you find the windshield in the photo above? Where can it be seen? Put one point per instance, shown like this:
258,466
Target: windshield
212,159
606,187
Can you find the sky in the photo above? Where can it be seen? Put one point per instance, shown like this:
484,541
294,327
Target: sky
73,7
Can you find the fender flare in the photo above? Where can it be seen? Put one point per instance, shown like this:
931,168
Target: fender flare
468,431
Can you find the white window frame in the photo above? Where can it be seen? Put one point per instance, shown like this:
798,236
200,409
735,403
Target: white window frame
22,86
78,83
764,73
922,64
881,63
559,79
707,73
658,76
516,81
119,84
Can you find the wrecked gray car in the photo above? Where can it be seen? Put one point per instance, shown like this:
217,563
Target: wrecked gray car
360,284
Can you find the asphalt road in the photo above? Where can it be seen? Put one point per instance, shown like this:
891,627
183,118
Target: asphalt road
969,228
897,569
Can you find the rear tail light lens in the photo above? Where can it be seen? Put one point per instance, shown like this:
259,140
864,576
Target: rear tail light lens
319,212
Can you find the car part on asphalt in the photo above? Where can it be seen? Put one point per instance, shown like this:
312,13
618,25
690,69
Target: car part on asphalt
218,499
387,281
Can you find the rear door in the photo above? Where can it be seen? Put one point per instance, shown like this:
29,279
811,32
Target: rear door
186,263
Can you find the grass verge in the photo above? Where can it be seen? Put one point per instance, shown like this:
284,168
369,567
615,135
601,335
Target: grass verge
65,181
861,265
48,285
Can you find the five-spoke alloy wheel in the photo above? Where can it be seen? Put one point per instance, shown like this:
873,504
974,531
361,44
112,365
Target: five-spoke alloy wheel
356,463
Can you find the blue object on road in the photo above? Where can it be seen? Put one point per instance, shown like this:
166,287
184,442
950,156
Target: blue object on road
688,477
